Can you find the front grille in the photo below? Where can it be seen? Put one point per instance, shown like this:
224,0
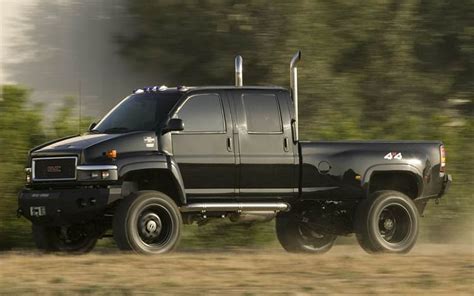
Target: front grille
54,168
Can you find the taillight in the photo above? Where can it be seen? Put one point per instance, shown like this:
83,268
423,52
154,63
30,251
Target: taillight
442,154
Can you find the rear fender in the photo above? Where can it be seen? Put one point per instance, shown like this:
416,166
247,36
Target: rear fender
365,182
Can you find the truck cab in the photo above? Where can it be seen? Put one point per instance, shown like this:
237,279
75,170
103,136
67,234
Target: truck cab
236,143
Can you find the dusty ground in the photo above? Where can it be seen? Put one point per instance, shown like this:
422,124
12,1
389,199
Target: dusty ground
433,269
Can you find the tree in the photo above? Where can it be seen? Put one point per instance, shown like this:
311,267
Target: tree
22,128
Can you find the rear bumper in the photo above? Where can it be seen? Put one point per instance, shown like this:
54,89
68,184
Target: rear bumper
446,184
65,206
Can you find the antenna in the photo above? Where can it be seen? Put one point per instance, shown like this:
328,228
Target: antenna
80,107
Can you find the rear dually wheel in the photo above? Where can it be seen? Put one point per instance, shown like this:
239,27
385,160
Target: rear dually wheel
297,236
387,222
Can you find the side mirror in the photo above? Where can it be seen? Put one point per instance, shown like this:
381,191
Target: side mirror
92,125
174,124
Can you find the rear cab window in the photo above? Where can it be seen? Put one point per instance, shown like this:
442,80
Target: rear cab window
262,112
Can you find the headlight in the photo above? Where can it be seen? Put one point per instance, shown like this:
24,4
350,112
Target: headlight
105,175
97,172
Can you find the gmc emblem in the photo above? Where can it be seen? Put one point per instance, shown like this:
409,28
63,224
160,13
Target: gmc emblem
53,168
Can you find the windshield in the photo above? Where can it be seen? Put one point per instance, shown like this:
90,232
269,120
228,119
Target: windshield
138,112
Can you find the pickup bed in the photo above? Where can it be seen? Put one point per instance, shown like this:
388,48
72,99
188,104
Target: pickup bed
167,156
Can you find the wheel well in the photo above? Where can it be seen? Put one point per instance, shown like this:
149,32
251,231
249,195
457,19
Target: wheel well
152,179
404,182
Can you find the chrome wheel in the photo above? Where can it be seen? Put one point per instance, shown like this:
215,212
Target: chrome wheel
154,225
312,240
394,223
297,236
147,222
387,221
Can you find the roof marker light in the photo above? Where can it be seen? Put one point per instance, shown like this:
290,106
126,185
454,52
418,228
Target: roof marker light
150,89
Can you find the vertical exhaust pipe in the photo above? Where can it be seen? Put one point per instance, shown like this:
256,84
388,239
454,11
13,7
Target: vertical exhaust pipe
239,80
294,89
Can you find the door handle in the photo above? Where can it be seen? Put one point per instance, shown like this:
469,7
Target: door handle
293,130
229,144
285,144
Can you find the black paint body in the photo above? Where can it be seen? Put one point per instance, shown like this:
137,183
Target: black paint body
236,163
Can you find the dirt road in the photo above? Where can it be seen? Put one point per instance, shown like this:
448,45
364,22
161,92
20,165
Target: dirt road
441,269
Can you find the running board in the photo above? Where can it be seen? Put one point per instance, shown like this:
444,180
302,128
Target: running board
235,207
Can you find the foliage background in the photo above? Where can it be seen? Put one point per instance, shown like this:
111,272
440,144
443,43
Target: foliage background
370,70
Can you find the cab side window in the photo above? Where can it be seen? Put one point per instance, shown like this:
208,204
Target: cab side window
202,113
263,113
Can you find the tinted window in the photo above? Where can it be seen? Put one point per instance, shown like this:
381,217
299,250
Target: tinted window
142,111
202,113
263,113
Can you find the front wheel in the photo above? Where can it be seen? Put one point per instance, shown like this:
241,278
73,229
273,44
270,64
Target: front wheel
79,238
387,222
147,222
298,237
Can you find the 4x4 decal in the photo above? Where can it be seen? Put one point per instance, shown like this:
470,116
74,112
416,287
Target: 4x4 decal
393,155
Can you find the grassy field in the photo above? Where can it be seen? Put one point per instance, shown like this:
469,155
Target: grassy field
433,269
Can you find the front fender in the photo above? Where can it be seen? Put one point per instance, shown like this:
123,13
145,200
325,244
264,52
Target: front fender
154,162
176,173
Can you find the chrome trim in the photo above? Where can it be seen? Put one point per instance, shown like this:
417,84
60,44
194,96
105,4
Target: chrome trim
267,190
96,167
198,133
264,133
235,207
315,189
33,160
239,79
210,190
294,88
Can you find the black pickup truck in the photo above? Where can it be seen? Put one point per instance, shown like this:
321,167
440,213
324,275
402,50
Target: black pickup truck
167,156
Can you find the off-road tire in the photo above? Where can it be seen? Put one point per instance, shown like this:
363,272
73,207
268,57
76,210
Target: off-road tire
48,239
130,227
292,239
387,221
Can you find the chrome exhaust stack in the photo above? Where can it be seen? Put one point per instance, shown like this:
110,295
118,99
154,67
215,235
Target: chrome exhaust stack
235,207
294,89
239,80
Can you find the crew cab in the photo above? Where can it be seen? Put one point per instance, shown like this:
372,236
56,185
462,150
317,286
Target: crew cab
165,156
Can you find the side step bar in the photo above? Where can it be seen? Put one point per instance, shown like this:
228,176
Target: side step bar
235,207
